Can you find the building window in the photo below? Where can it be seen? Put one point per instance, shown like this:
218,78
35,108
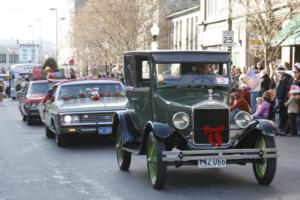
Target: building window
180,35
192,33
177,34
2,58
212,7
187,33
13,58
196,34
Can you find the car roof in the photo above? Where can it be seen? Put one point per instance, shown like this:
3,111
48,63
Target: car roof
79,82
39,81
172,56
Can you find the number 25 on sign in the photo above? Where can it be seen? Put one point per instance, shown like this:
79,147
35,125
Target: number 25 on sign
228,38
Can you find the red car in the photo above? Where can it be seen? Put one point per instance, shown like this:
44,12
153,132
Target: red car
31,96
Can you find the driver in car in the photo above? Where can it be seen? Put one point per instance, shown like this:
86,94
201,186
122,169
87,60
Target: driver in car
201,69
205,70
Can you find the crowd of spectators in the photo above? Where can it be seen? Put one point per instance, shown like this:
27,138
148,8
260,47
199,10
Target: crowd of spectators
274,96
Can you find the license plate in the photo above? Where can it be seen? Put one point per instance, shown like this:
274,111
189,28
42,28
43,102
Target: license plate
104,130
212,163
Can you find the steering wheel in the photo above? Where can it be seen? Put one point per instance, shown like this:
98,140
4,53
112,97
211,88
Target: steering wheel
203,80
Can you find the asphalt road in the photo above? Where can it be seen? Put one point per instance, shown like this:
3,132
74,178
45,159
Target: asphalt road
32,167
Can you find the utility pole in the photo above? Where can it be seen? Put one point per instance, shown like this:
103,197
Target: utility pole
230,21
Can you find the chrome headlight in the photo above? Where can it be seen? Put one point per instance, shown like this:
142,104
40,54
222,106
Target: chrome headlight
242,119
181,120
67,119
34,105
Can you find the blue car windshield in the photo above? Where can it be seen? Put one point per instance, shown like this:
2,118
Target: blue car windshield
39,88
172,74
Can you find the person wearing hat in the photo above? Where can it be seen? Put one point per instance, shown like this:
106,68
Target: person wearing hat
296,71
293,108
282,97
266,82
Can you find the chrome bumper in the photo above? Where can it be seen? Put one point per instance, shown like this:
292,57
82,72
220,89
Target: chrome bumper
228,154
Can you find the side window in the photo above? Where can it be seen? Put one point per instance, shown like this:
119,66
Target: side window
145,70
129,72
53,92
142,71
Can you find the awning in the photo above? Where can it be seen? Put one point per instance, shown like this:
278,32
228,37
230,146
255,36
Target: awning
290,34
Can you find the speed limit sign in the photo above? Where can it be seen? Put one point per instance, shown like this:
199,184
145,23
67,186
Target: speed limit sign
228,39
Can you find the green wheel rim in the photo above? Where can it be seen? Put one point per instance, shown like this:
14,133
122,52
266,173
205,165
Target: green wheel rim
119,147
261,168
152,160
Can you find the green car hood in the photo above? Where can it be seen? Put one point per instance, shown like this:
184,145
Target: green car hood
189,96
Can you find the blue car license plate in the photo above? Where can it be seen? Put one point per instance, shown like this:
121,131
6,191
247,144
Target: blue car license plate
104,130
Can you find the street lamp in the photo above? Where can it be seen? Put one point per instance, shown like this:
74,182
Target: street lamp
154,32
56,40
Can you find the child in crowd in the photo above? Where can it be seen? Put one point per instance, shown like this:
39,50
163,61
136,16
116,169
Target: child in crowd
239,104
263,106
293,108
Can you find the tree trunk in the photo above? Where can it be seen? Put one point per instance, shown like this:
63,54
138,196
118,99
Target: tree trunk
266,60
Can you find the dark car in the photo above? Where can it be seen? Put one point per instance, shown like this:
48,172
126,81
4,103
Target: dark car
31,96
178,114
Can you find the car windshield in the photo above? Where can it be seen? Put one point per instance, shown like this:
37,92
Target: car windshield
90,91
192,74
39,88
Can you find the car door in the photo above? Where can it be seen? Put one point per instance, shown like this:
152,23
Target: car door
42,105
142,93
48,106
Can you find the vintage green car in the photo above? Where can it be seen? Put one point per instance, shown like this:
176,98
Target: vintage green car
178,114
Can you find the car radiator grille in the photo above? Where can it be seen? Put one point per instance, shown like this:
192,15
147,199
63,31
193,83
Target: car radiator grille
207,122
97,117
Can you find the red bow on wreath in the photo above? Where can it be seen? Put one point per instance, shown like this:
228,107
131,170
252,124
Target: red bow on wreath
214,135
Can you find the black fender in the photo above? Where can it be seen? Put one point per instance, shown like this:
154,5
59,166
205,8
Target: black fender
127,126
266,127
260,126
160,131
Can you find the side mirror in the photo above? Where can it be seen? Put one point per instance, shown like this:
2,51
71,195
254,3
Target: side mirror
48,100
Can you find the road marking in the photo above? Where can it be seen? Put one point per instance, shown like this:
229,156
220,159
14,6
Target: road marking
68,175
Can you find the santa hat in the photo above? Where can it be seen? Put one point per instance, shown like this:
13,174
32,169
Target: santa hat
295,89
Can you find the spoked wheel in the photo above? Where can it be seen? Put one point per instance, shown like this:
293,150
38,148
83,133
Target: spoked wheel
265,169
123,156
157,168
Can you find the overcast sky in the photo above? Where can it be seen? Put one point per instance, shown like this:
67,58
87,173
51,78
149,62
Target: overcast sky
23,19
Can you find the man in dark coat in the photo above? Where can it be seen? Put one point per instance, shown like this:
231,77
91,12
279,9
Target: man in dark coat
282,96
266,82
